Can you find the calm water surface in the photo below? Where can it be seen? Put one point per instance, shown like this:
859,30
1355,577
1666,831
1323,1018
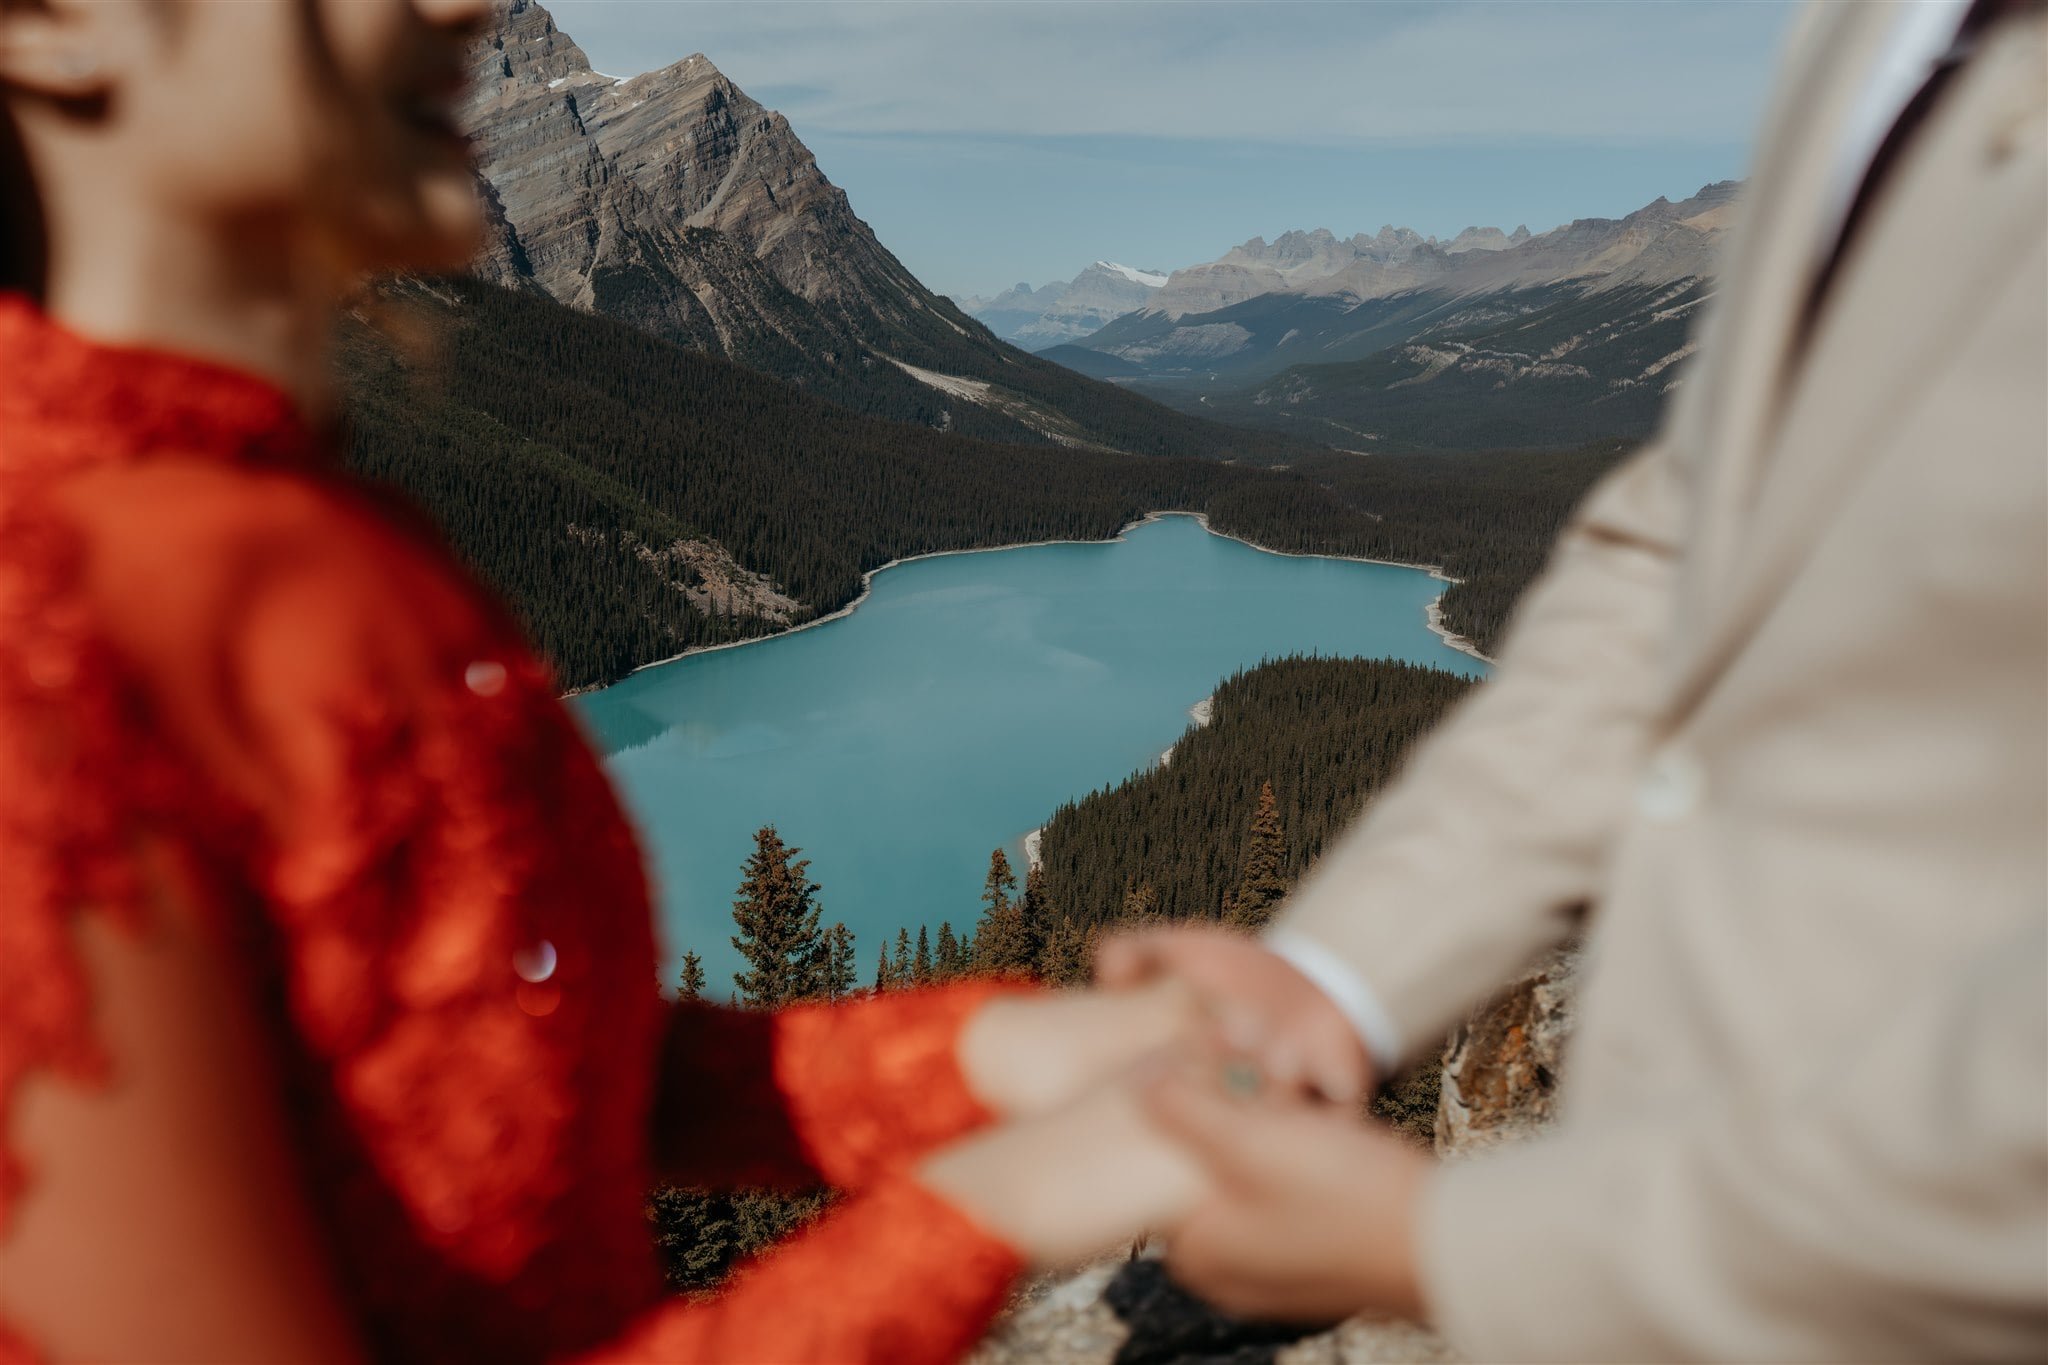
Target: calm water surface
963,701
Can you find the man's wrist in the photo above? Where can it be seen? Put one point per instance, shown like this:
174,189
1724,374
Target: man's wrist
1345,989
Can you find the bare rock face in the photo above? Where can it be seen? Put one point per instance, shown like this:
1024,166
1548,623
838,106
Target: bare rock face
1501,1068
671,200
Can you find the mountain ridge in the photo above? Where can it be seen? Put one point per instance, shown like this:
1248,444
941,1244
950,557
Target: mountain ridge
673,201
1565,336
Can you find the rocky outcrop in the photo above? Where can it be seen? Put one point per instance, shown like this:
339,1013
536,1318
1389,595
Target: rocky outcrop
1502,1066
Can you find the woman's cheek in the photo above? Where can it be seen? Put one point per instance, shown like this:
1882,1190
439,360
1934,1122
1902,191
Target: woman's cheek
451,220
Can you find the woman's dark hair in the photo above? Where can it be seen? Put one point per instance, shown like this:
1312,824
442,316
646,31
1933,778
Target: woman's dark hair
23,248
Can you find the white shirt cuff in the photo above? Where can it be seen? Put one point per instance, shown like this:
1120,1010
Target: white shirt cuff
1345,989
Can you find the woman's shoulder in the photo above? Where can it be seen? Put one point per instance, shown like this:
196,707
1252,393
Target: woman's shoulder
198,547
253,603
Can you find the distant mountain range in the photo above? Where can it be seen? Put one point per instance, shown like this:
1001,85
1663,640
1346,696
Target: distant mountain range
673,201
1065,310
1398,340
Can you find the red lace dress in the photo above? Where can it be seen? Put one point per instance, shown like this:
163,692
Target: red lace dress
208,635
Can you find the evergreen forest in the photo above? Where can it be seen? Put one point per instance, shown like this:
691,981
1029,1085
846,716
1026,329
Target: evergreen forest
571,460
1294,749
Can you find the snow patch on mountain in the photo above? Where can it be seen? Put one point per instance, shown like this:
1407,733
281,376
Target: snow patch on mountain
1151,279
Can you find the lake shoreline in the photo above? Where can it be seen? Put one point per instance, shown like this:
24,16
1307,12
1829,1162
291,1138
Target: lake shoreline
1432,613
1199,715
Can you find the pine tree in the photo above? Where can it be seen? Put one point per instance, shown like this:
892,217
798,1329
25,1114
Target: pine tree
921,966
899,971
777,914
1069,955
693,978
1141,903
1000,886
841,976
1034,909
1011,934
885,977
1261,882
947,961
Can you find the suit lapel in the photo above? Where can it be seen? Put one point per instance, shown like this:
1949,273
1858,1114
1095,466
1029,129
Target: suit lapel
1919,274
1771,265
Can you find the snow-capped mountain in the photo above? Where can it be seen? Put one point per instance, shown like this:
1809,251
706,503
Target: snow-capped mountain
1066,310
1151,279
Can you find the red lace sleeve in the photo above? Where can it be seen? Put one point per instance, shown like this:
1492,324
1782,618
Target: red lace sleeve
894,1274
831,1094
877,1082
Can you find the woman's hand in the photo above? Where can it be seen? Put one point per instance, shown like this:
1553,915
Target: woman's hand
1312,1210
1031,1054
1072,1184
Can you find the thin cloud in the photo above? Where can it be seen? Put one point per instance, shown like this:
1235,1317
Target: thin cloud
1499,72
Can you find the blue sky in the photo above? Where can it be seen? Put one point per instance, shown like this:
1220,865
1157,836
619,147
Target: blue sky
992,141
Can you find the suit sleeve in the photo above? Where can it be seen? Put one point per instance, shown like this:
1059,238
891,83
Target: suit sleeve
816,1094
1481,854
1871,1218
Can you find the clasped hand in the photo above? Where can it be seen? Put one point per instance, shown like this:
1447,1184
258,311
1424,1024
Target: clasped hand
1208,1094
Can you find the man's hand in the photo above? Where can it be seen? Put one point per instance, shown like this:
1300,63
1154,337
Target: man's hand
1312,1214
1031,1054
1263,1007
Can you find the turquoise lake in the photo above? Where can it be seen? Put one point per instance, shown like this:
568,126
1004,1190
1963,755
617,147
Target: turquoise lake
955,708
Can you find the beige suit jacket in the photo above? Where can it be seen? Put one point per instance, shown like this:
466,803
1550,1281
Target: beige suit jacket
1776,720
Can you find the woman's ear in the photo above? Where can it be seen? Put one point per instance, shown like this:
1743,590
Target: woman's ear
64,51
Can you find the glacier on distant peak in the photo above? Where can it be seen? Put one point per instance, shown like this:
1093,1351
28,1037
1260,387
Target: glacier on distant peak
1149,278
1066,310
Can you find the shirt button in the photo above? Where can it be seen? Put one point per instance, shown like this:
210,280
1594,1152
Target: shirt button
1671,787
485,677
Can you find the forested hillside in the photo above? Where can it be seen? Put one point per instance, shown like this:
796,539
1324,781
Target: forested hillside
568,457
1488,517
592,472
1325,733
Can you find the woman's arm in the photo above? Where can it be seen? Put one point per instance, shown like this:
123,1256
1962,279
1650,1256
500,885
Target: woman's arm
162,1218
912,1270
838,1094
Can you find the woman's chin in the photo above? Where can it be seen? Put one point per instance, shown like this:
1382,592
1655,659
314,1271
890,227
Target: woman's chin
438,228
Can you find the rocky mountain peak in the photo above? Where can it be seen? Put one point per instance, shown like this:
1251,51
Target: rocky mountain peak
599,179
1481,239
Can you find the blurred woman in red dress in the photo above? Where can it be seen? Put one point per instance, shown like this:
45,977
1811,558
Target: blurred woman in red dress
326,1021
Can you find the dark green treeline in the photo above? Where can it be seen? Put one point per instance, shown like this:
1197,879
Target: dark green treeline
1326,733
565,457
